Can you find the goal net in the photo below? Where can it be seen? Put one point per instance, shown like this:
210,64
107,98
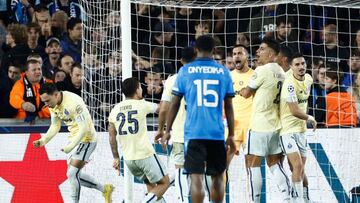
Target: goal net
327,33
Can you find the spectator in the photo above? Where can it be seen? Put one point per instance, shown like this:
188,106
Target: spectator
71,43
53,50
35,57
153,85
16,38
71,7
41,15
163,36
243,39
339,104
331,50
73,83
262,24
110,84
318,95
283,33
284,57
66,63
33,34
229,63
58,23
356,45
45,33
354,90
59,76
22,11
315,65
6,83
354,64
160,58
24,95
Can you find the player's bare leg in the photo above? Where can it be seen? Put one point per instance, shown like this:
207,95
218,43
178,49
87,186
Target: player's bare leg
156,191
197,189
279,176
297,175
78,179
217,188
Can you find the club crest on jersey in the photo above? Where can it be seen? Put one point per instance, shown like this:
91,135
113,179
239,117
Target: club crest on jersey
289,146
66,112
290,88
241,83
254,76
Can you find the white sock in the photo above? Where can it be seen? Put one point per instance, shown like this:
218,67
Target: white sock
282,181
73,177
182,185
88,181
298,192
207,186
254,183
306,195
149,198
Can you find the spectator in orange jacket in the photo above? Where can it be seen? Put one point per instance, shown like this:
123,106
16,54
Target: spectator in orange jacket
24,95
339,104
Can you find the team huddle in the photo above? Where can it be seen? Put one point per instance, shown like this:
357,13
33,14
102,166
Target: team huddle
197,105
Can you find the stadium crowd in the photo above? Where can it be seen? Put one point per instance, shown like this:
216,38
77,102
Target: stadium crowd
42,41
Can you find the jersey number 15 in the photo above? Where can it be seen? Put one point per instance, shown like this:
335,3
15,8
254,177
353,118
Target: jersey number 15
202,88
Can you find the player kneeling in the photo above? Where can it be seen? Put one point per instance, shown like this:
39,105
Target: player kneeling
127,120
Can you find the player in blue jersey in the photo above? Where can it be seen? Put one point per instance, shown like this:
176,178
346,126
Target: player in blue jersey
205,85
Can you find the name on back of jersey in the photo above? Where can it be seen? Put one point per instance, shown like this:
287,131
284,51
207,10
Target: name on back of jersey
206,69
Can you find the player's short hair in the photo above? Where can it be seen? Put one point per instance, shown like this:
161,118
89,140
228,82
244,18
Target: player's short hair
72,23
239,46
287,52
188,54
48,88
205,43
272,44
31,61
130,85
296,55
76,65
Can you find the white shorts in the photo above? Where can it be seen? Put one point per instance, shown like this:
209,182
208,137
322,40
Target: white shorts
83,151
294,142
262,143
177,153
148,170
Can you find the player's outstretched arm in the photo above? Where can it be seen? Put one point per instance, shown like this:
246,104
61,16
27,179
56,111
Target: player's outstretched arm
114,146
229,113
52,131
298,113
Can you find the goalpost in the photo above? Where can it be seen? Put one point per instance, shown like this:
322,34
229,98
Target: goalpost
111,53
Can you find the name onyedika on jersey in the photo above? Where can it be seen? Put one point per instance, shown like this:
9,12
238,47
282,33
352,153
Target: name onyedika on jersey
205,69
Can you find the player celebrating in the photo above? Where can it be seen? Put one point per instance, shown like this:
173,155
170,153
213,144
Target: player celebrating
127,120
240,76
205,84
293,107
177,152
263,136
70,108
